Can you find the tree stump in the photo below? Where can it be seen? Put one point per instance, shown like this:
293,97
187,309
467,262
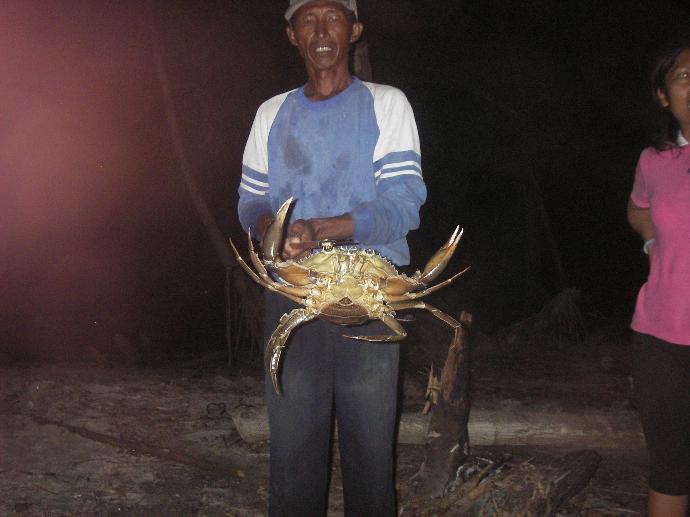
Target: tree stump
447,443
499,485
535,488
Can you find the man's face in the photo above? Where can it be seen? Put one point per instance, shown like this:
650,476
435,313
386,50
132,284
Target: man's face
323,31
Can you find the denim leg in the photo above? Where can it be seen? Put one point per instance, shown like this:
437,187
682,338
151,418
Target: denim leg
300,418
366,389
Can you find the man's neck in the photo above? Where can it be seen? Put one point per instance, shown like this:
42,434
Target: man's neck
324,84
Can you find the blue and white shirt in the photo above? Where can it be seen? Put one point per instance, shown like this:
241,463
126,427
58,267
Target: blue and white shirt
356,153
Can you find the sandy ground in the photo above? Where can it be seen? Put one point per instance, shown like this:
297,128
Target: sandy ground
82,440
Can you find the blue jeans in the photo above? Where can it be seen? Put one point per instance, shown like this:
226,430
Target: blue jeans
322,374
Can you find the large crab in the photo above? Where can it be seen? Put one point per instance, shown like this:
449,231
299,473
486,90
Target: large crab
344,285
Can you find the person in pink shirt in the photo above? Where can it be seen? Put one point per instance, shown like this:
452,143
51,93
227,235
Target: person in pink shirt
659,211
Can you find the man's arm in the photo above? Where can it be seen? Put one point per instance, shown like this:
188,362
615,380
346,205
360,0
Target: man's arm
400,189
254,208
393,213
262,224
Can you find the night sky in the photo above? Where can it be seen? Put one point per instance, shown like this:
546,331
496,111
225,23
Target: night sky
531,115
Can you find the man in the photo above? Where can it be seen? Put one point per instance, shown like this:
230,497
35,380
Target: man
348,152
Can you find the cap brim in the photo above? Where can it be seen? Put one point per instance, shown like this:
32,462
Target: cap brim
294,8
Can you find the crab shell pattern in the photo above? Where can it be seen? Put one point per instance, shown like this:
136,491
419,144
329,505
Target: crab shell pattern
343,285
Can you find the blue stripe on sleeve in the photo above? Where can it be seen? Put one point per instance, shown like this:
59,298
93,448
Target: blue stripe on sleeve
399,171
254,181
398,157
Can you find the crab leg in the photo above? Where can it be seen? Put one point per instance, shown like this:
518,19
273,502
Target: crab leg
303,274
429,290
452,322
393,324
258,265
259,280
293,293
276,344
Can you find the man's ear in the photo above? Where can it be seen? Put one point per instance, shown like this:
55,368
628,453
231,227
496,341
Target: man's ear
357,29
661,97
291,34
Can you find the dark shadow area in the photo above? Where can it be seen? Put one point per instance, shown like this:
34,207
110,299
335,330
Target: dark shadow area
531,117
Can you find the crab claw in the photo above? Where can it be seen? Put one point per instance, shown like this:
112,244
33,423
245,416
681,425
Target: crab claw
272,242
274,364
277,341
439,261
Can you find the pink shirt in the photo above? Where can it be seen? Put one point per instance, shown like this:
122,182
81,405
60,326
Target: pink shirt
662,184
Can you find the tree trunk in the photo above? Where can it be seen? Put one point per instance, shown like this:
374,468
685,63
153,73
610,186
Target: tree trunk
210,224
184,169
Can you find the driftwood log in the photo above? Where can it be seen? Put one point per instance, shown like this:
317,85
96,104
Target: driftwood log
496,426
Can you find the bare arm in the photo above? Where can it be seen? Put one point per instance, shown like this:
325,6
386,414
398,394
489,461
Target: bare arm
640,220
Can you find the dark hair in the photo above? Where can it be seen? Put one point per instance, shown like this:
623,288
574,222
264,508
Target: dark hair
664,125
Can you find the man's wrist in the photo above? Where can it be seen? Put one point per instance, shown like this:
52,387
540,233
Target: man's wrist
317,229
336,228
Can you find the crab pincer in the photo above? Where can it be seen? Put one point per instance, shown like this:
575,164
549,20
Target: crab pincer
272,242
439,261
274,364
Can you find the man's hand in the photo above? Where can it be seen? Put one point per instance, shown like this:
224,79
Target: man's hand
298,232
308,231
336,228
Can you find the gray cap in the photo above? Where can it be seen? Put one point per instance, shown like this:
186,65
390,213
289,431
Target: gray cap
296,4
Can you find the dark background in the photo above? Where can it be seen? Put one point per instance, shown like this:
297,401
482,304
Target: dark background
531,115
